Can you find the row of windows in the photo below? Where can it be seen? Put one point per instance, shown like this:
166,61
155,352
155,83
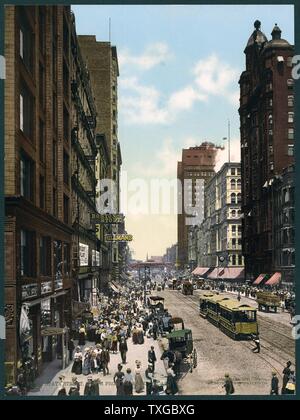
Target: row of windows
54,256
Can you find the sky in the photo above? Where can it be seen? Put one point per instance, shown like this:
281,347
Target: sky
178,86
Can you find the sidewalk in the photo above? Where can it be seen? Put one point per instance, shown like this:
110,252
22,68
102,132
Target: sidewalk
107,386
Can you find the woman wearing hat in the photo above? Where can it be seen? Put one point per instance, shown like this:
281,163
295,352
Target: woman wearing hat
228,385
77,365
82,335
74,390
119,380
139,383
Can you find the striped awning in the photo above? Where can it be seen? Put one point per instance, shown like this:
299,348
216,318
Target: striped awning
200,271
233,273
259,279
275,279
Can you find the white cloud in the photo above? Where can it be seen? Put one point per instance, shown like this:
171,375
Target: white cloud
153,55
142,104
215,77
185,98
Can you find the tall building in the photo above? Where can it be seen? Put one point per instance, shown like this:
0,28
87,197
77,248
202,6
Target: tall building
218,241
267,140
197,163
102,61
86,250
38,230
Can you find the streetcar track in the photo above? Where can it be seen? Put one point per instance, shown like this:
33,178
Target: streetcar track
266,359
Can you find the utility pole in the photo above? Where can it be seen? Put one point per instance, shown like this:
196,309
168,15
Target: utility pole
229,142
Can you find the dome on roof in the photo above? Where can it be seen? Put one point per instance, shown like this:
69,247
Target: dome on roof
257,37
277,41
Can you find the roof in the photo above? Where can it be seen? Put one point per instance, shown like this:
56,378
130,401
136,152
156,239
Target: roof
234,305
218,298
257,37
156,298
206,295
179,333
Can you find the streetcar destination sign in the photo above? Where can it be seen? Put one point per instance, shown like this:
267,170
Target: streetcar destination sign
118,238
107,218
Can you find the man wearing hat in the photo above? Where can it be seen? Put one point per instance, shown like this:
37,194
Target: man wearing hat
274,384
228,385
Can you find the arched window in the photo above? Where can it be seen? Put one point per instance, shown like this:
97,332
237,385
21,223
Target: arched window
239,198
239,183
232,184
233,198
233,214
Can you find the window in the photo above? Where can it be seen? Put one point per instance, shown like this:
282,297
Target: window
66,209
233,198
291,100
239,183
232,184
115,175
291,134
57,259
114,129
26,112
66,168
42,22
54,203
66,81
42,192
290,117
26,43
290,83
114,159
234,260
232,171
45,256
114,114
240,258
54,158
290,150
42,141
270,119
233,228
42,86
239,198
67,259
27,254
26,177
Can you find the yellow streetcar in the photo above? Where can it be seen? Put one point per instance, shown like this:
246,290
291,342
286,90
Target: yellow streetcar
203,303
234,318
238,320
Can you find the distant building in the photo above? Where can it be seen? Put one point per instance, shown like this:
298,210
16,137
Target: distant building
197,163
218,241
171,255
284,225
267,141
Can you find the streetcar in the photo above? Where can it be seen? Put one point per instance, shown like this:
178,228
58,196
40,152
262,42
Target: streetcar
187,288
203,303
236,319
267,301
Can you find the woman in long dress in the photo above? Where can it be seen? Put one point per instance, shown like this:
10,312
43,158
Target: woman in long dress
139,383
77,365
82,335
172,387
128,383
86,368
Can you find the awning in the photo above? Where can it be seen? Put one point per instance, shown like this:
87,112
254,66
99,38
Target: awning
233,273
200,271
259,279
221,273
275,279
114,288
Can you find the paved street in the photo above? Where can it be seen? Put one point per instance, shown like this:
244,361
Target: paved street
218,354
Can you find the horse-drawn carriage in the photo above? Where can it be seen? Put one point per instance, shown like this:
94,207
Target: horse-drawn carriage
181,343
156,303
187,288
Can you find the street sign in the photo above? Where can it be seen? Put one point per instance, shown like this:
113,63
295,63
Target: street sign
118,238
107,219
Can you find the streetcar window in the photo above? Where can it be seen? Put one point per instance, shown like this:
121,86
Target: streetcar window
245,316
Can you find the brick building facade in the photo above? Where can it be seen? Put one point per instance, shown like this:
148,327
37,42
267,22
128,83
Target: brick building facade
38,231
267,141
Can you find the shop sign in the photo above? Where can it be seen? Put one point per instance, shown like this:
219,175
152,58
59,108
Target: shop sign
118,238
46,287
107,219
83,254
95,258
29,291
